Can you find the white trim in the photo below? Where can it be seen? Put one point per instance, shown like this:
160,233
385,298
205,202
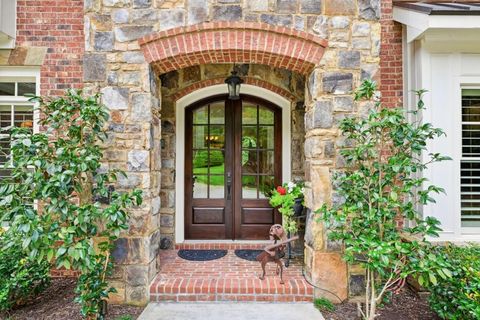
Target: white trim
197,95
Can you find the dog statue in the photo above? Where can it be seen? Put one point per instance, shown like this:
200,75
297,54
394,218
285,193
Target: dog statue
276,251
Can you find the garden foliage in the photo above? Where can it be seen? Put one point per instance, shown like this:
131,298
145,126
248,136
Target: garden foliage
61,168
383,184
458,297
284,197
21,277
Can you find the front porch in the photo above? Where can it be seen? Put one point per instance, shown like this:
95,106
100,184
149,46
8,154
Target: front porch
226,279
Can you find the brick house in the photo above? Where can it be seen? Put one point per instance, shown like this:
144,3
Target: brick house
161,66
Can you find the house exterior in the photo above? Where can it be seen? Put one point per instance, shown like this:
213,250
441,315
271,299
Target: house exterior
161,67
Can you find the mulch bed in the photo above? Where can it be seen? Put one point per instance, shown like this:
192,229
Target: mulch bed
56,303
406,305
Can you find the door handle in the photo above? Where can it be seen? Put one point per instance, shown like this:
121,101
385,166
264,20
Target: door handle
229,185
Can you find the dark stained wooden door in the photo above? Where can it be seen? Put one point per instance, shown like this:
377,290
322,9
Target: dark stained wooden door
232,160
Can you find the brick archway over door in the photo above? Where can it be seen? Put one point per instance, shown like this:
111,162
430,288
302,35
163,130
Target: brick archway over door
233,42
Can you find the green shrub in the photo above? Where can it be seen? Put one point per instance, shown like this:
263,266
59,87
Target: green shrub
458,297
20,276
323,304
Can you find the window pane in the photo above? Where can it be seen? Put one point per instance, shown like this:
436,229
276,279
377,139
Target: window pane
23,116
200,186
4,149
5,116
217,186
249,161
470,163
266,186
25,88
249,114
266,161
249,187
266,137
249,137
200,137
217,113
7,88
217,137
200,115
217,161
200,161
266,116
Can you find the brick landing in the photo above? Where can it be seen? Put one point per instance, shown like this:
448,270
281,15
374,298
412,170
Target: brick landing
227,279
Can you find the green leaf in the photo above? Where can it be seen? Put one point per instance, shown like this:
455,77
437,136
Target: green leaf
27,142
432,278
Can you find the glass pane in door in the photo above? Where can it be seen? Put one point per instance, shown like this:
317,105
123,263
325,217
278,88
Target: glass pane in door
208,142
258,148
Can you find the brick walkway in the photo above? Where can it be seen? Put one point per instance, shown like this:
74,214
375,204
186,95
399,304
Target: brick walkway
227,279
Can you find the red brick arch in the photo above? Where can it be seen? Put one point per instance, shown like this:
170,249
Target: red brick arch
233,42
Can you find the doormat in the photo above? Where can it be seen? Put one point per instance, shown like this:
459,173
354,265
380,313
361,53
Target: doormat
201,255
248,254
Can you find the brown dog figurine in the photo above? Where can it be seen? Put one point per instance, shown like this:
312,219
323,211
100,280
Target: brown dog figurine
276,251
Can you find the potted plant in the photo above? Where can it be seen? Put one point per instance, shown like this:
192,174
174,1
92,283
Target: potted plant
288,198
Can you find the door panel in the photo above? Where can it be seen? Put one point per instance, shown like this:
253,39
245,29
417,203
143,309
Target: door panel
232,161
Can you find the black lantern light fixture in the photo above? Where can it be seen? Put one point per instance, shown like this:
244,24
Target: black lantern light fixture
233,82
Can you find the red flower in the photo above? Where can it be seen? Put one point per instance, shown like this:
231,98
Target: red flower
281,190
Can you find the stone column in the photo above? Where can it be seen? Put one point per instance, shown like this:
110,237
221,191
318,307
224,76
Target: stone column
115,67
353,31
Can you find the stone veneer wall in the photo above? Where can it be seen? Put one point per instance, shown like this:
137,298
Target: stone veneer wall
115,65
176,84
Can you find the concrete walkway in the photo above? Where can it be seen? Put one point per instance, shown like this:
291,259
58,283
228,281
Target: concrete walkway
230,311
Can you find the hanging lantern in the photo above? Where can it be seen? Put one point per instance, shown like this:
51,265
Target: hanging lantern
233,82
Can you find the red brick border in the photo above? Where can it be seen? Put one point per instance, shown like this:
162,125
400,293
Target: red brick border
233,42
247,80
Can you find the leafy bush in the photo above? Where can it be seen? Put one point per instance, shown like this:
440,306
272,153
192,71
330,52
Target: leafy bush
384,168
458,297
61,168
21,277
323,304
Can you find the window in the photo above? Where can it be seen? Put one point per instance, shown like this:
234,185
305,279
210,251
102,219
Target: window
470,159
15,109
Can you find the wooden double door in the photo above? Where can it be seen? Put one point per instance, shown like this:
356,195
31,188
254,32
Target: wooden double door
233,153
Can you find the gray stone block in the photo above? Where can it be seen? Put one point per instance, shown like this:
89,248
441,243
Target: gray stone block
339,22
356,285
337,82
349,59
94,67
129,182
142,3
227,13
133,57
329,149
361,29
197,11
311,6
320,27
120,16
144,16
103,41
138,160
141,107
115,98
277,19
130,33
171,18
369,9
286,6
343,103
137,275
257,5
323,114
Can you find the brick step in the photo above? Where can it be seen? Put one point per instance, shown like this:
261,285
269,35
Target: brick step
228,289
228,245
227,279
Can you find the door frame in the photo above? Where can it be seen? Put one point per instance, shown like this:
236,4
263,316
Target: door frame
203,93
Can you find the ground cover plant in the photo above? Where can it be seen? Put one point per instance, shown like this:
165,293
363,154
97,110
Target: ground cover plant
383,184
78,216
21,277
458,297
